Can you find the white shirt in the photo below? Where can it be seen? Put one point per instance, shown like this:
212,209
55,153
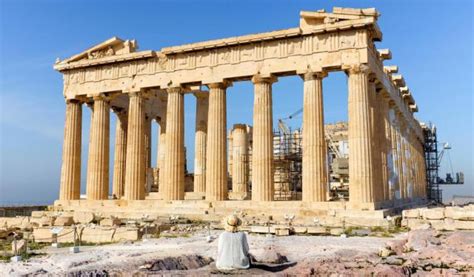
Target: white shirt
232,251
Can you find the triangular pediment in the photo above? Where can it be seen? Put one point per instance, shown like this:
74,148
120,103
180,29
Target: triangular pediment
110,47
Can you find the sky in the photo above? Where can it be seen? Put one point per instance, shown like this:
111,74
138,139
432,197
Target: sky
430,40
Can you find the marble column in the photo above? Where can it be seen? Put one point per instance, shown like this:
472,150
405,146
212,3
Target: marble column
387,152
118,181
401,156
70,188
314,142
147,129
98,171
361,176
395,151
172,187
135,166
240,165
381,137
202,107
160,160
376,139
262,152
216,156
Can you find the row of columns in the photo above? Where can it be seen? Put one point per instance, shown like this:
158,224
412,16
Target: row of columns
377,142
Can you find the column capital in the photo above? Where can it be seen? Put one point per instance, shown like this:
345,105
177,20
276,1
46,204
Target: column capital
314,75
201,94
101,97
261,79
175,90
222,85
118,110
356,68
240,126
73,101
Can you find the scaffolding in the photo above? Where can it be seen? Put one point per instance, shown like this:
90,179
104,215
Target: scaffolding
287,163
432,165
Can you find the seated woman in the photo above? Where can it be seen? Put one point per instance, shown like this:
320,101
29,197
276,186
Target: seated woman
233,249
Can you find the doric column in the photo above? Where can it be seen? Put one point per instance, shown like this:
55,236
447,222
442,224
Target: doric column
395,180
361,178
98,170
262,152
118,181
240,165
401,156
160,159
172,183
216,156
314,142
135,167
376,140
71,164
202,107
147,130
387,148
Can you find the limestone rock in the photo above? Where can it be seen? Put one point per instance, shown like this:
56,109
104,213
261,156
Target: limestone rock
459,213
269,254
419,239
64,221
111,221
385,252
413,213
436,213
44,221
84,217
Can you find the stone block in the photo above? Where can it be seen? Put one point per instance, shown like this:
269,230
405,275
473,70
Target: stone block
300,229
97,234
331,221
43,221
459,213
237,195
64,221
262,229
438,224
42,234
436,213
38,214
413,213
463,225
415,223
282,231
317,230
13,222
111,221
84,217
336,231
127,234
449,224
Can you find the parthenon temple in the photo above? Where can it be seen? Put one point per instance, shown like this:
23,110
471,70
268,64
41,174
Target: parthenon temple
237,167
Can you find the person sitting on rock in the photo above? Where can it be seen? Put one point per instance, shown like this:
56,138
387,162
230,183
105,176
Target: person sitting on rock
233,249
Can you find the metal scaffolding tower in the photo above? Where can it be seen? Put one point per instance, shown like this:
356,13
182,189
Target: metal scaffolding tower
432,165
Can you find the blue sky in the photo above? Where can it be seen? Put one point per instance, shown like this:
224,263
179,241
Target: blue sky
431,42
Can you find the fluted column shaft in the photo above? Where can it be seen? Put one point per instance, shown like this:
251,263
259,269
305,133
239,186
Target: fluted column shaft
314,142
361,177
395,154
160,160
386,153
70,188
401,157
381,138
262,152
200,142
376,140
216,156
98,171
118,181
135,166
147,130
240,165
172,187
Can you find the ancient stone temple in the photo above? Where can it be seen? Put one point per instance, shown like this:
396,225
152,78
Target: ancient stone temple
386,168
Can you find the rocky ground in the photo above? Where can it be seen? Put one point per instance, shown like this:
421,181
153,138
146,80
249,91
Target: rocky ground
423,252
